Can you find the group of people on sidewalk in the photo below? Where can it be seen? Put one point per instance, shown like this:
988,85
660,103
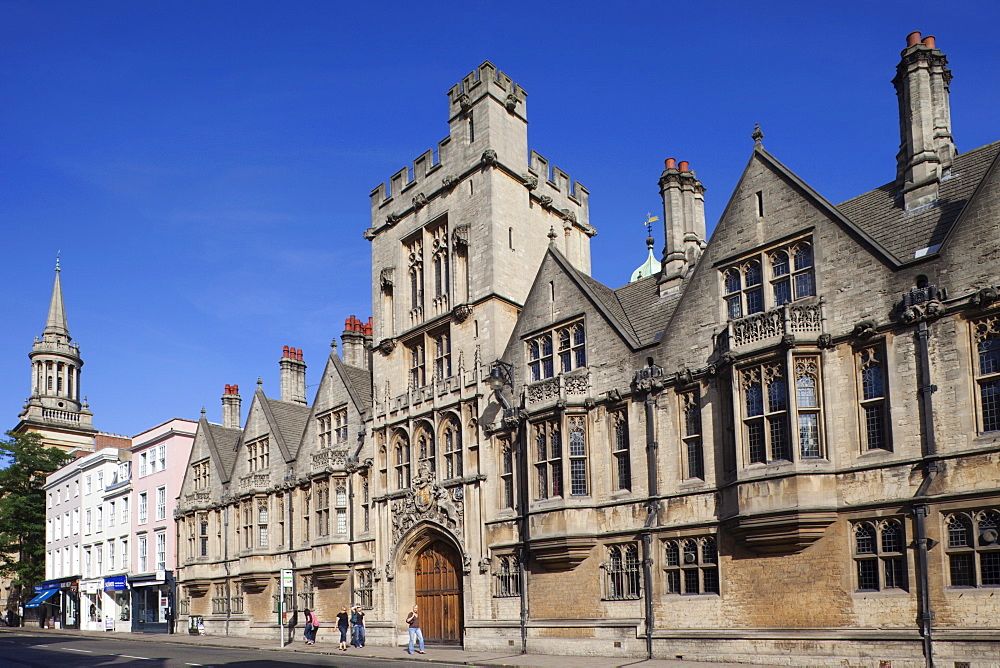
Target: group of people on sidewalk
355,621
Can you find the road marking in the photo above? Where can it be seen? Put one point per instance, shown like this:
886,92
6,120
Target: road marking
129,656
70,649
194,664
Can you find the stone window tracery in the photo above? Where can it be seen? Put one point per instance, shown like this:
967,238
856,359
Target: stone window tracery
973,548
790,275
451,436
622,573
507,475
880,555
548,459
415,271
691,566
322,493
873,399
693,452
258,455
442,268
570,341
620,448
507,577
340,503
401,461
986,335
577,456
770,416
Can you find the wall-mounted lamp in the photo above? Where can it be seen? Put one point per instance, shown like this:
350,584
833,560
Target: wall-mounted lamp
501,373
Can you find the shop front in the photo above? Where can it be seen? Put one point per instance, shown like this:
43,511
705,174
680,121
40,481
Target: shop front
152,602
44,605
92,604
69,604
117,611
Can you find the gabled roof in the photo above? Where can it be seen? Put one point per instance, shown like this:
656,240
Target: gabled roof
222,443
358,382
905,233
286,420
835,213
635,311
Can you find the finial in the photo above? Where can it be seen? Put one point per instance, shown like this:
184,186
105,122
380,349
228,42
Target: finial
86,404
757,134
333,343
260,382
57,260
203,412
552,233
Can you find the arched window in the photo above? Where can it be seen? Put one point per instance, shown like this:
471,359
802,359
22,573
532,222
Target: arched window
879,555
451,436
401,461
692,566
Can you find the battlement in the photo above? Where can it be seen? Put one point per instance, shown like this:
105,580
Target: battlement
486,80
557,179
424,165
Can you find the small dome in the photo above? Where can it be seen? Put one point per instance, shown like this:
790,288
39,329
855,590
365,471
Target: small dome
649,267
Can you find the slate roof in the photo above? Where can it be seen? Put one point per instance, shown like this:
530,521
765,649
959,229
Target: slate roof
903,233
290,420
361,379
645,309
224,440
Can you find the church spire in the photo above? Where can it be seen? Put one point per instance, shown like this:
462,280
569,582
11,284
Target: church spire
56,323
56,408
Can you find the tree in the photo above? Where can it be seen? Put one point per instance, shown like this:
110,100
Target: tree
22,506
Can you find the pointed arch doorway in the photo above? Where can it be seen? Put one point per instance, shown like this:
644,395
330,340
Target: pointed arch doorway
438,581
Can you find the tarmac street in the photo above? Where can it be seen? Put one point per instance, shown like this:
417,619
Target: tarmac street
31,647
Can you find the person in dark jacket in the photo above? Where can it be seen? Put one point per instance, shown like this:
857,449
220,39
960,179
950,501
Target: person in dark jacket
342,624
358,627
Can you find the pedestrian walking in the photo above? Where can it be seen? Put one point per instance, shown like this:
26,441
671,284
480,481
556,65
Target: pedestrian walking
342,623
312,624
413,621
358,627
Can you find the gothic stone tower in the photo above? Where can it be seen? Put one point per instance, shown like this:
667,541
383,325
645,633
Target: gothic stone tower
457,240
55,409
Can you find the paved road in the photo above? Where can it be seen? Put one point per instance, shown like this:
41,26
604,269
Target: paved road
32,650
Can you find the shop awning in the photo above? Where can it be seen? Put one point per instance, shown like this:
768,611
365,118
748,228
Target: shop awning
40,598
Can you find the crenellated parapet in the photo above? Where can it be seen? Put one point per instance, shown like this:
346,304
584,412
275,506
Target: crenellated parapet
555,190
487,80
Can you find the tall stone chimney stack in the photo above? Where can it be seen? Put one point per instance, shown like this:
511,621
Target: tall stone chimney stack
356,339
683,222
293,375
926,147
231,406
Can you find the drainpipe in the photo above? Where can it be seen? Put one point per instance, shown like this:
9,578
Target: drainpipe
652,506
932,467
522,494
225,560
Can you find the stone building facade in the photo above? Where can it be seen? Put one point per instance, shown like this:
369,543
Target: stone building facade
781,447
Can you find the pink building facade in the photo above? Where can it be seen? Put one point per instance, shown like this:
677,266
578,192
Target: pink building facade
159,458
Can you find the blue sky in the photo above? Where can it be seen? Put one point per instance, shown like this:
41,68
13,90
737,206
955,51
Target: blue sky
204,167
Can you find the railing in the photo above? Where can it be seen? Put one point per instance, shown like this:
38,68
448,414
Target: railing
786,319
65,416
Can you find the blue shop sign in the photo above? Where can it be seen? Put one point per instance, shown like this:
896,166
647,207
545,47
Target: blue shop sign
48,584
115,584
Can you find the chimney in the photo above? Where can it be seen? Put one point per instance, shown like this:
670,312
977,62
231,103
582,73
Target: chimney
683,222
231,406
926,147
356,342
293,375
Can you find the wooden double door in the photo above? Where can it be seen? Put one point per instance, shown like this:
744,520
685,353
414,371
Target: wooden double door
439,593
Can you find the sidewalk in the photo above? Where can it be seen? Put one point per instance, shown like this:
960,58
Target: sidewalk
452,655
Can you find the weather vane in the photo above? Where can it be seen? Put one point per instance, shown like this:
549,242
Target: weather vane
650,219
57,259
